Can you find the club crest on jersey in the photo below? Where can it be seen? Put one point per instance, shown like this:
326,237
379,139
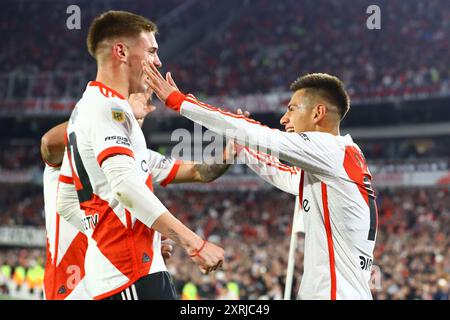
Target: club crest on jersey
118,115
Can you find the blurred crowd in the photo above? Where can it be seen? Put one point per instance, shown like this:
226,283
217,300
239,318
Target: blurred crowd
413,245
405,155
412,255
275,42
21,204
263,48
54,47
20,156
409,149
22,273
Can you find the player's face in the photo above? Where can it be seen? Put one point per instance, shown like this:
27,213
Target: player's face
299,114
143,48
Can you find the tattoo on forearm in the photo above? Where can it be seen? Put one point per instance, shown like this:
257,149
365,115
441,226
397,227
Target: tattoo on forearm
174,236
211,172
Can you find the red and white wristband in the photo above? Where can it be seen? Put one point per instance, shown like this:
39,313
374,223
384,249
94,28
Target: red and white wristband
197,251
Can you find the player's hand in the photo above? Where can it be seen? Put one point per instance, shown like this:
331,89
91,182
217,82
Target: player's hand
154,80
141,104
208,257
170,80
244,113
230,152
166,248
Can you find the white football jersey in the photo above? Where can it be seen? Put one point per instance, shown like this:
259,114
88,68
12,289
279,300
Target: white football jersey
271,170
334,189
64,276
121,249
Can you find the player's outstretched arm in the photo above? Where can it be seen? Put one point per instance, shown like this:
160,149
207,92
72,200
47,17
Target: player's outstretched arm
269,168
203,172
52,144
132,192
168,170
314,152
199,172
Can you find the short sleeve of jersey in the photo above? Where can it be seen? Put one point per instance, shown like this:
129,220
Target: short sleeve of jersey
66,172
110,131
163,169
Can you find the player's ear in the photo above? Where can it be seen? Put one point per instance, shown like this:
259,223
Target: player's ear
319,113
120,51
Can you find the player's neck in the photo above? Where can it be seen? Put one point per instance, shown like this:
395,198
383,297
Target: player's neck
335,131
331,130
114,79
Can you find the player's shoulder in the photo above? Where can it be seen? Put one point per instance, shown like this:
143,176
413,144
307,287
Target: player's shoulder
347,141
101,102
324,139
99,98
102,91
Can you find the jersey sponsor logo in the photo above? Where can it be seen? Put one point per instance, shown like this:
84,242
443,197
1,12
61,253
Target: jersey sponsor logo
118,115
304,137
144,166
164,163
90,222
119,140
365,263
305,205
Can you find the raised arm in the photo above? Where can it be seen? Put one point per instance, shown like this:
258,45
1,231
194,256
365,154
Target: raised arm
313,151
271,170
167,170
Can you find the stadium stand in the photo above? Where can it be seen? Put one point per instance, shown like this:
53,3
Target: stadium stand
245,54
412,254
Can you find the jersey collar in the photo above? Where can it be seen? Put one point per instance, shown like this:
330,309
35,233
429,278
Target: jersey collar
104,88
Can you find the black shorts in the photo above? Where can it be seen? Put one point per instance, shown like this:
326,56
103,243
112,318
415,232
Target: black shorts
155,286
